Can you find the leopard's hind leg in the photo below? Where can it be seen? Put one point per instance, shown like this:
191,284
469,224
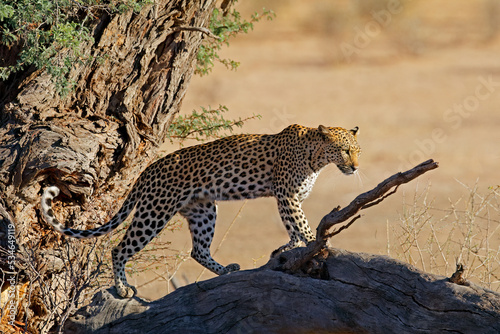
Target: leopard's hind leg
201,216
146,224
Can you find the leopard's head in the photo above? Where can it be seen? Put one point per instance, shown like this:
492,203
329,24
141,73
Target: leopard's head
341,148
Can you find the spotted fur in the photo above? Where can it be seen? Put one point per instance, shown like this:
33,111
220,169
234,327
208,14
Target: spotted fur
191,180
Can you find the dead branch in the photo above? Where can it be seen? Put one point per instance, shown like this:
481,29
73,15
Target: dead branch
370,198
296,259
345,227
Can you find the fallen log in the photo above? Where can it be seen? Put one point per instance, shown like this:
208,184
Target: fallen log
363,294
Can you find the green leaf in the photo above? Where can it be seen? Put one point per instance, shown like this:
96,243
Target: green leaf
207,124
53,33
225,27
6,11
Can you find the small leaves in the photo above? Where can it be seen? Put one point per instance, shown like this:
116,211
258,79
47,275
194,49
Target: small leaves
204,125
52,33
225,27
6,11
210,123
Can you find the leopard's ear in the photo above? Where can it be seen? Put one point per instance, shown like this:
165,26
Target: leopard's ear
324,130
355,131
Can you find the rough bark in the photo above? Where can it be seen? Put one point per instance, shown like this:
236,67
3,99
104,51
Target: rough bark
362,294
98,138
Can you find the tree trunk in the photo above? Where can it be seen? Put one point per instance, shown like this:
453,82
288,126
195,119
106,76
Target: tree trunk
95,141
359,293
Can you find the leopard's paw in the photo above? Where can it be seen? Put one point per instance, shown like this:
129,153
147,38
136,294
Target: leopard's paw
232,267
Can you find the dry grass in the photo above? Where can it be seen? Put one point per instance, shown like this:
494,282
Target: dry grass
436,240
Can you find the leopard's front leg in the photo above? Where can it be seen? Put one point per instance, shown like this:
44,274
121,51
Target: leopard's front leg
295,221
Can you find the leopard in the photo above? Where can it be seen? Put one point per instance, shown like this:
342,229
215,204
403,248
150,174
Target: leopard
191,181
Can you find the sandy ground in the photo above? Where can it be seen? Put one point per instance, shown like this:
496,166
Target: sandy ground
421,86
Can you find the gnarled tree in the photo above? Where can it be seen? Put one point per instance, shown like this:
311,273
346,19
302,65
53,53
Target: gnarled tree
94,140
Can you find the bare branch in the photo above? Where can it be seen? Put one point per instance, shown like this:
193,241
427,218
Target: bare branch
345,227
338,216
199,29
371,197
380,199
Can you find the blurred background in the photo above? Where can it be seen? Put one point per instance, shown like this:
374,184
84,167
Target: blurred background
420,78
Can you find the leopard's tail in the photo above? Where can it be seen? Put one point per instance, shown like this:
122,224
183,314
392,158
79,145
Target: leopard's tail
52,192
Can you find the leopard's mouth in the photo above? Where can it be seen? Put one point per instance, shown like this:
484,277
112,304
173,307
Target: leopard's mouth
347,170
